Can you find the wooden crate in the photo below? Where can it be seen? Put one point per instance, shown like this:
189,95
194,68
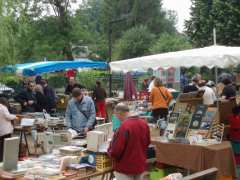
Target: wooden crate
103,162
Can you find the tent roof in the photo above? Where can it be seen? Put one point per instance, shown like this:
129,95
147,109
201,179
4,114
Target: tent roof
213,56
32,69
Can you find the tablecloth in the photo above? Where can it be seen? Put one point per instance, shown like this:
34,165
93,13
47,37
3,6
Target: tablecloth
197,158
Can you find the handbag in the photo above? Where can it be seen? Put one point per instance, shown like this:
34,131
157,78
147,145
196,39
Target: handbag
164,97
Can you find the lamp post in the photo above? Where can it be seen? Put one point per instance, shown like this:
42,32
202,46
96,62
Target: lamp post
123,18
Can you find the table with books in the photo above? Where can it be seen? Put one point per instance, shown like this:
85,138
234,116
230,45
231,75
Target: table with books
193,139
63,157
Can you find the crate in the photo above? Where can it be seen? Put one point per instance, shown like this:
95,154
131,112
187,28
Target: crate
103,162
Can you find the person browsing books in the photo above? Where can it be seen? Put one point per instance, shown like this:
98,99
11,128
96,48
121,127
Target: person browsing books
160,98
80,113
128,147
6,128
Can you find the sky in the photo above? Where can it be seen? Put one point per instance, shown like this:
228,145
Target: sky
182,8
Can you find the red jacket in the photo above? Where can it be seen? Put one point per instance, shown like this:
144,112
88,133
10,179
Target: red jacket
129,146
234,132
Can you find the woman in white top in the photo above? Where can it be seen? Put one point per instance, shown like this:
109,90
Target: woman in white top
6,128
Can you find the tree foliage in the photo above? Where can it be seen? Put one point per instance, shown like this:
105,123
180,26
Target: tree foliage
135,42
223,15
169,43
35,29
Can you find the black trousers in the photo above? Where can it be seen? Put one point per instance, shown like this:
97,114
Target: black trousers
160,113
2,145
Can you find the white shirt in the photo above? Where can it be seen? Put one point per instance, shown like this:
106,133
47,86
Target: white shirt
5,121
209,96
151,86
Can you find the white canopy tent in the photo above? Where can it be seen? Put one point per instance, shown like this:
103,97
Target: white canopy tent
213,56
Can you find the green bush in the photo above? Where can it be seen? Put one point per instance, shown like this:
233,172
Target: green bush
88,78
10,80
57,81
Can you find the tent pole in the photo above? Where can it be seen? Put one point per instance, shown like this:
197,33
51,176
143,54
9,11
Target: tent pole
110,57
216,82
214,37
216,74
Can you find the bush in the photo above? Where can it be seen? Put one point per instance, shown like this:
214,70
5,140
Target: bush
134,43
88,78
170,43
10,80
57,81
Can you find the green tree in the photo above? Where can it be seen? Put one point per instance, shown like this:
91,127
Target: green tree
88,27
223,15
61,9
169,43
94,17
135,42
138,12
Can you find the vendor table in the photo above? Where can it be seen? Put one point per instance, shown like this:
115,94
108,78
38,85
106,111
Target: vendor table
197,158
104,175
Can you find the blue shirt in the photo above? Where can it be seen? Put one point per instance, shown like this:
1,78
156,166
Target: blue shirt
80,120
116,123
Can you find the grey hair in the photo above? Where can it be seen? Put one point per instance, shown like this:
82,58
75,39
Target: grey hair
121,107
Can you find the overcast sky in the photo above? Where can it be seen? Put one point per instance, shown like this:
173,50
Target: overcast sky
182,7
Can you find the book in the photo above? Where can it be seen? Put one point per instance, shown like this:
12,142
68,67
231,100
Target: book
201,110
196,121
208,120
173,118
172,121
182,125
195,132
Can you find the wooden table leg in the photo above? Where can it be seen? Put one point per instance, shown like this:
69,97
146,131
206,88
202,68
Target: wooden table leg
20,144
25,137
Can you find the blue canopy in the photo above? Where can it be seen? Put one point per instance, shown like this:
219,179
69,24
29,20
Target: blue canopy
37,68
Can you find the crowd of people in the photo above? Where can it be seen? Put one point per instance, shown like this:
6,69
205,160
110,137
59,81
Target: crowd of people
36,97
39,96
224,90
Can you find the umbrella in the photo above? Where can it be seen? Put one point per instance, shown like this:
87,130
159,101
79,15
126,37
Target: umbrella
37,68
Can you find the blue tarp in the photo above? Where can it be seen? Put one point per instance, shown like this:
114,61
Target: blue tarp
37,68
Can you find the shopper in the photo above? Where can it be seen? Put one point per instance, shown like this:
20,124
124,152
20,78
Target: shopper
160,98
6,128
99,96
234,132
145,85
80,113
129,146
229,91
71,85
193,86
51,96
183,80
209,96
27,98
41,99
38,79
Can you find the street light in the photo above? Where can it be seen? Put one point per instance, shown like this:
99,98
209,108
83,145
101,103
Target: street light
123,18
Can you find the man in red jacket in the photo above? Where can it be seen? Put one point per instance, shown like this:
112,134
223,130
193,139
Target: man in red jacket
129,146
